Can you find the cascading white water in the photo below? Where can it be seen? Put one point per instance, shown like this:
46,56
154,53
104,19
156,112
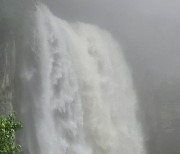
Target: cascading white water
78,96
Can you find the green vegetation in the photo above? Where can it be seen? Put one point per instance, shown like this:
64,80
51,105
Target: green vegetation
8,126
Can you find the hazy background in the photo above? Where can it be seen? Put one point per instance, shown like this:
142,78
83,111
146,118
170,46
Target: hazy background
149,33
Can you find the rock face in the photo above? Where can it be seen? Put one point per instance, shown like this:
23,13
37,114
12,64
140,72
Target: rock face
12,15
6,92
7,48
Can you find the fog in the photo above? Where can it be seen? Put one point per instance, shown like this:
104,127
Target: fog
149,34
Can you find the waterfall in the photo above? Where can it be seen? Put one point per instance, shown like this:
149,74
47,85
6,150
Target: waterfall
77,95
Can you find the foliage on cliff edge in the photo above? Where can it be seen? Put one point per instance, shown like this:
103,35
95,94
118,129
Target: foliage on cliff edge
8,126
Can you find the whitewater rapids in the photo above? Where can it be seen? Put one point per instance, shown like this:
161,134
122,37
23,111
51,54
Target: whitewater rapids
77,95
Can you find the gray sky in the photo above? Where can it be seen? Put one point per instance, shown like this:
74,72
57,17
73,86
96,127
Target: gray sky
149,33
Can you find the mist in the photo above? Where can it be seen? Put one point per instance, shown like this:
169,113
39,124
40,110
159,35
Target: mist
148,31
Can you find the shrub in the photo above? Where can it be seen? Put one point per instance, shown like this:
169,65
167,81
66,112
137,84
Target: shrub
8,126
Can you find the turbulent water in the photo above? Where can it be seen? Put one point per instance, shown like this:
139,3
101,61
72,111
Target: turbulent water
77,95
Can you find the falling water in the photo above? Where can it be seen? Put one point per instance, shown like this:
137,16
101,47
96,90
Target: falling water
77,95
